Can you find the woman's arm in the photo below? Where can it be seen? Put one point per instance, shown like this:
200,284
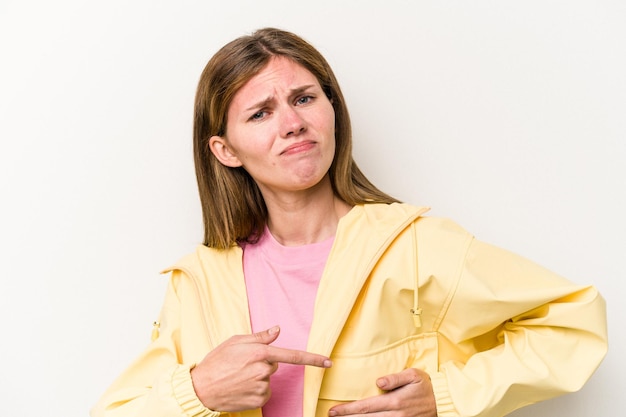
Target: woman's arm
157,383
528,335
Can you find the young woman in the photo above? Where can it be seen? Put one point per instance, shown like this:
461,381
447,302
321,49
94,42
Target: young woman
316,294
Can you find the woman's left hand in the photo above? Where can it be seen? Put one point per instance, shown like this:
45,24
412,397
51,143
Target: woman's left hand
408,394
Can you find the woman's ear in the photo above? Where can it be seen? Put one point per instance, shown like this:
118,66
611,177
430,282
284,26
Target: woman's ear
222,152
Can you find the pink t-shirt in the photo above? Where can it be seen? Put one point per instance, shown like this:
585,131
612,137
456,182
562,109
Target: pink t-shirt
281,283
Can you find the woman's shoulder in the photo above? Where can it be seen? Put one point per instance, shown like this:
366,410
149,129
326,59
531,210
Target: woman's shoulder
418,214
388,212
203,256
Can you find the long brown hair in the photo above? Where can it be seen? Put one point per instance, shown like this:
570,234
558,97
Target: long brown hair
233,208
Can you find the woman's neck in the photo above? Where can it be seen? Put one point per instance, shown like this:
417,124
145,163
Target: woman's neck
307,217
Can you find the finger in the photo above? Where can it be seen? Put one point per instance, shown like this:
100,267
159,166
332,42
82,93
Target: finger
297,357
407,376
360,407
265,337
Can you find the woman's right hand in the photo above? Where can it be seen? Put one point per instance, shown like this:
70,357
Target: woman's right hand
235,376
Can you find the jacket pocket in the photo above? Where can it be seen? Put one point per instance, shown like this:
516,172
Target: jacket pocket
353,375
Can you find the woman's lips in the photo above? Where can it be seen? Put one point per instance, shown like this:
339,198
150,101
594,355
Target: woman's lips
298,147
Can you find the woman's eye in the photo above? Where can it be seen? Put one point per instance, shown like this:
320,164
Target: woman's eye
258,115
304,100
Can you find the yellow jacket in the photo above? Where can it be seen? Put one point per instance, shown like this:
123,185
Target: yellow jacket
496,332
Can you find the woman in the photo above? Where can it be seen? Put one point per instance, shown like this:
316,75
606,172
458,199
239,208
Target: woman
316,294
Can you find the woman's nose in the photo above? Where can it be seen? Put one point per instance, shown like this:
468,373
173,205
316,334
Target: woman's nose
292,123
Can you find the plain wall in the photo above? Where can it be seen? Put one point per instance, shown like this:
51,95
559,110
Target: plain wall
508,117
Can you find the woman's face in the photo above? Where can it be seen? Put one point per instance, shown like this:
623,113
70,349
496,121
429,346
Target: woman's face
280,128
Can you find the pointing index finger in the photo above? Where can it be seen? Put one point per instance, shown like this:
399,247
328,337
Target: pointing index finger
297,357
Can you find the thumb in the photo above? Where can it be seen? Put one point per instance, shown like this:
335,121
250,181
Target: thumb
266,336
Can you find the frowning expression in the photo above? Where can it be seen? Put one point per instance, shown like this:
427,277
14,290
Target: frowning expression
280,128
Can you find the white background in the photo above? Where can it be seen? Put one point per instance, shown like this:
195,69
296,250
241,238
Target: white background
508,117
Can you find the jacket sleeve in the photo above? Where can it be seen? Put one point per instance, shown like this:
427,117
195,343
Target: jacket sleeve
158,383
520,334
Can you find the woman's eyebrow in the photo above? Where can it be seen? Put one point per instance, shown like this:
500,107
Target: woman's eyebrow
261,103
299,90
